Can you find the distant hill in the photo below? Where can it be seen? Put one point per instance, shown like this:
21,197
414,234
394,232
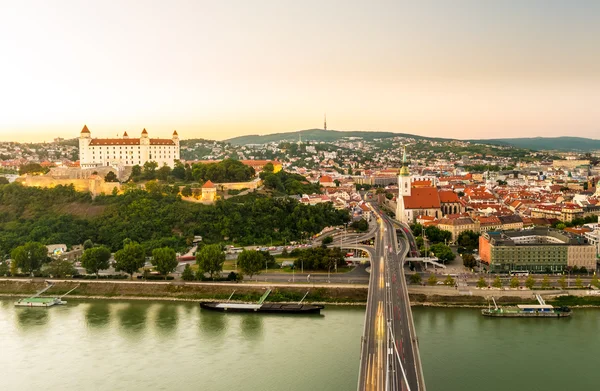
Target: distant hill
547,143
319,135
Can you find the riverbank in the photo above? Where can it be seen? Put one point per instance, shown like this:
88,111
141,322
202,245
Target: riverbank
338,294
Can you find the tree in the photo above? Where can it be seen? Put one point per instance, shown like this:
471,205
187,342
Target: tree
595,281
415,278
545,283
432,280
111,177
268,167
188,274
469,240
442,252
4,269
95,259
530,282
578,282
3,181
163,172
327,240
186,191
60,268
514,282
149,170
210,259
30,257
136,171
436,235
481,283
164,260
497,282
562,282
361,225
561,226
469,260
250,262
130,258
33,169
449,281
88,244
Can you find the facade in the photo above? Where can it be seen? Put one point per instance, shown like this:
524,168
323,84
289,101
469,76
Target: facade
125,151
458,225
562,212
537,250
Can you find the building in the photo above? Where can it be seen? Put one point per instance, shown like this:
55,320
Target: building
511,222
537,250
450,203
125,151
562,212
458,225
209,192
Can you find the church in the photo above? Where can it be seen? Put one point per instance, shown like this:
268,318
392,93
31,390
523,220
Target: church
125,151
417,198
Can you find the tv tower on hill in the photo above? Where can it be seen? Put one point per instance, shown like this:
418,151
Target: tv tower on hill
325,121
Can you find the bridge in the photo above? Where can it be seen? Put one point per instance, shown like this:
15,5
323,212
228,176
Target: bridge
389,348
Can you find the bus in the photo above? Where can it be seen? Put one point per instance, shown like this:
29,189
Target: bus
519,273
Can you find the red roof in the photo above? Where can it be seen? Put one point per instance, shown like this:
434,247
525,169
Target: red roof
130,141
326,179
422,198
423,183
175,133
144,131
448,196
125,134
85,129
208,185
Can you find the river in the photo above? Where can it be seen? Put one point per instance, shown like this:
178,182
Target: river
139,345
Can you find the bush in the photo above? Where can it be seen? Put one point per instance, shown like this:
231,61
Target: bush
101,277
152,277
327,240
415,278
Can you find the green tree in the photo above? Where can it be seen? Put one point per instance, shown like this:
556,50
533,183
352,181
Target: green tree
95,259
88,244
481,283
561,226
327,240
449,281
149,171
60,268
497,282
469,240
111,177
578,282
436,235
186,191
268,167
415,278
188,274
210,259
163,172
595,281
33,169
361,225
130,258
514,282
250,262
562,282
14,269
30,257
136,171
469,260
164,260
545,283
3,181
432,280
4,269
530,282
442,252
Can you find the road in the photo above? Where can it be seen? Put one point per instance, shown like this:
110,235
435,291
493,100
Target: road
389,352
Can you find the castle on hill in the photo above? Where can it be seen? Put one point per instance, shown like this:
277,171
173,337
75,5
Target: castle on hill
125,151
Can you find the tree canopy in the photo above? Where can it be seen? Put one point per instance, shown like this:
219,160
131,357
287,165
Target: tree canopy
227,170
210,259
442,252
30,257
164,260
95,259
250,262
130,258
288,183
320,258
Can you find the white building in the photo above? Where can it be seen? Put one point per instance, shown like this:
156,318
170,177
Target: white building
125,151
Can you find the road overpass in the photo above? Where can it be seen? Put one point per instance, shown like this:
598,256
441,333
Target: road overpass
389,348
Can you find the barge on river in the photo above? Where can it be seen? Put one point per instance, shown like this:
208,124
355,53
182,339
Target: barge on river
280,308
45,302
541,310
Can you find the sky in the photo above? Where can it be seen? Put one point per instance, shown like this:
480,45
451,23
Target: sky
220,69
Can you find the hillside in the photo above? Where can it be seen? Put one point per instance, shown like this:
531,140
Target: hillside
548,143
319,135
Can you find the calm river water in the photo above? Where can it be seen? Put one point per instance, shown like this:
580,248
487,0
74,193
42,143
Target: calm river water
113,345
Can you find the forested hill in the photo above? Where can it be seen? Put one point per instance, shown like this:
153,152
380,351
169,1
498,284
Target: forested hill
319,135
58,215
548,143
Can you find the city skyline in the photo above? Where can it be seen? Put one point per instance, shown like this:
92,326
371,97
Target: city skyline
217,71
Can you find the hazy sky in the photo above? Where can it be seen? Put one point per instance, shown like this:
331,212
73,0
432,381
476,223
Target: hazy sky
218,69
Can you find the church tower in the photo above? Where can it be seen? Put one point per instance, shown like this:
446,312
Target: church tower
404,188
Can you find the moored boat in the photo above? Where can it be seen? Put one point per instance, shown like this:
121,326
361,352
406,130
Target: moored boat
541,310
281,308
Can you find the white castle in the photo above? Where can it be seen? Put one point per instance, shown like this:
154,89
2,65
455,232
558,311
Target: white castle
125,151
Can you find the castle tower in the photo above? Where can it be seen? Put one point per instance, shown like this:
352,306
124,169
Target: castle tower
176,141
404,188
85,137
125,136
144,139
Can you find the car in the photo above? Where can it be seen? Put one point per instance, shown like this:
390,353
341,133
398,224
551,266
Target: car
440,283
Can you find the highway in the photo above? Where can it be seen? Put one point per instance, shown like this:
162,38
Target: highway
389,350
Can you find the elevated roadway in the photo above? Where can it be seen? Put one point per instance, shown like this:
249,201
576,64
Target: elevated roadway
389,349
